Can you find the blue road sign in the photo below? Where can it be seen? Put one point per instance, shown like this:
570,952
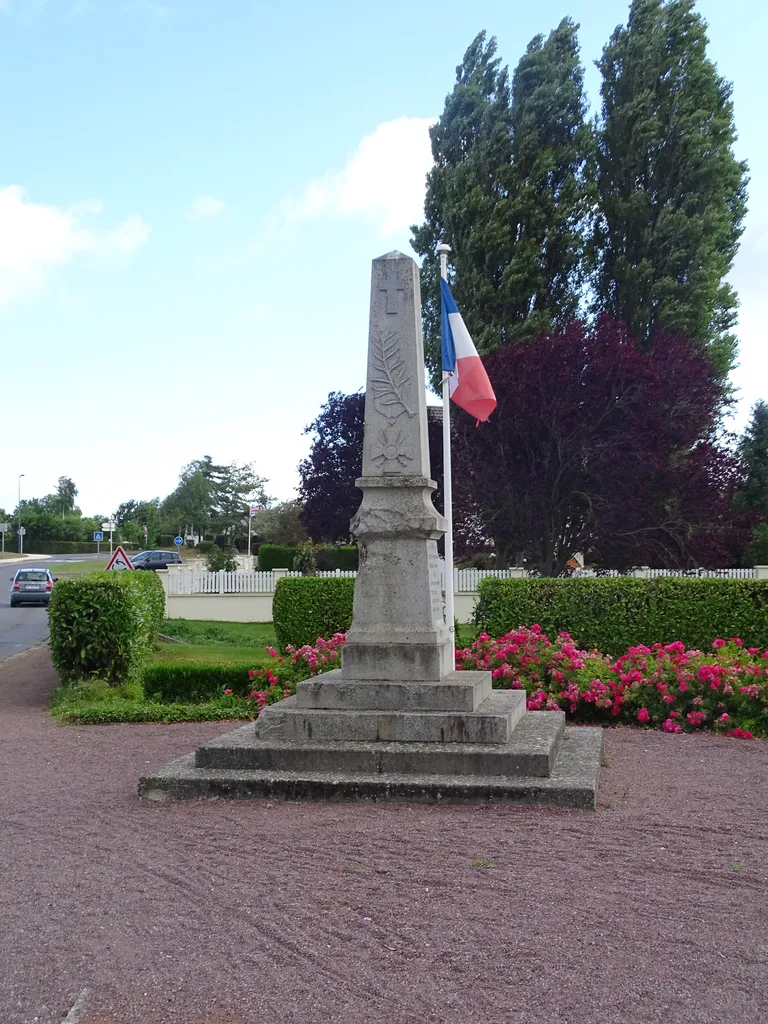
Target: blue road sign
178,541
98,535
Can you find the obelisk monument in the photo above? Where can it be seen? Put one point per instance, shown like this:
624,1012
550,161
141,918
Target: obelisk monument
398,628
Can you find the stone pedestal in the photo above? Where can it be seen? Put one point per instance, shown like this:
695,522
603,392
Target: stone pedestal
396,721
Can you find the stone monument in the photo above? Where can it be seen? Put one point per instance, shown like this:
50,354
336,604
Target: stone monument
396,721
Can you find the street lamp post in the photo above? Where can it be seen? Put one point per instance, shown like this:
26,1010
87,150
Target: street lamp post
21,535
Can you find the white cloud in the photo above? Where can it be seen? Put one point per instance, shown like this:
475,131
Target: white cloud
383,181
204,207
36,239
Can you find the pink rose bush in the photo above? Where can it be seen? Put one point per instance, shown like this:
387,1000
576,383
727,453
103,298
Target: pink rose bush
663,687
278,678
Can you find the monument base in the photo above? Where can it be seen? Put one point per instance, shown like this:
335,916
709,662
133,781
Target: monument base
454,740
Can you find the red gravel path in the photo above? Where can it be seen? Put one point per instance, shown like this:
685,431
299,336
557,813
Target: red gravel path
653,909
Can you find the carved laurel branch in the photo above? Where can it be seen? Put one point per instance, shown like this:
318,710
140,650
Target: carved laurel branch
391,380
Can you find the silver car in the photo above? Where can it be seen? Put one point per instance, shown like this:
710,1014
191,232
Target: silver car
32,586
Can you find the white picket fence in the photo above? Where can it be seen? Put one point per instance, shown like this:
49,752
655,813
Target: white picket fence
465,581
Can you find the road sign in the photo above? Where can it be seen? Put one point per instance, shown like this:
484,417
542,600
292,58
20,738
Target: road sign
178,541
22,531
119,560
98,535
5,527
146,530
109,527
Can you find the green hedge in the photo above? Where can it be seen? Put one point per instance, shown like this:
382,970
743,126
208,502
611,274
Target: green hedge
330,559
281,556
184,683
65,547
147,711
611,615
103,625
307,607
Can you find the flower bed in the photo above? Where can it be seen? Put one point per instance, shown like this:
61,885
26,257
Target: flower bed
664,686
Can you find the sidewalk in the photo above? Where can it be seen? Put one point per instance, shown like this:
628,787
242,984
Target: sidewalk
25,558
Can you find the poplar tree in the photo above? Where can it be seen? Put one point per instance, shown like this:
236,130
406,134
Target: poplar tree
509,194
753,450
671,194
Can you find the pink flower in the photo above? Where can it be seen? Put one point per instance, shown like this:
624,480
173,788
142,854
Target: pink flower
725,717
250,673
227,693
735,640
643,716
669,725
718,643
695,717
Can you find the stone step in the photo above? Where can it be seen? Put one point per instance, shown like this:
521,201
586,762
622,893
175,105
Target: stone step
459,691
531,750
572,783
492,722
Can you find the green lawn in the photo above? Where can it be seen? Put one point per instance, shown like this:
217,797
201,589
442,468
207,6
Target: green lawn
210,654
219,643
221,634
77,568
8,554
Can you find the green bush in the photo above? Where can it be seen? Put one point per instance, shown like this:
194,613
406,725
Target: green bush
330,559
205,547
612,615
276,556
185,683
105,624
121,710
307,607
281,556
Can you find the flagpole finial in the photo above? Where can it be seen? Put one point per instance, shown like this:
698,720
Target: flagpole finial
442,251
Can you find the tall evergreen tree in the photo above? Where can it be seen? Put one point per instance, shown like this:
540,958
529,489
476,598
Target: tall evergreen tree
508,193
753,449
671,195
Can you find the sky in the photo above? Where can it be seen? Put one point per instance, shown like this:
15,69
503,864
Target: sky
190,198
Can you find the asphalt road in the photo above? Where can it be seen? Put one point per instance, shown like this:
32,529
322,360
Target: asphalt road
26,626
20,627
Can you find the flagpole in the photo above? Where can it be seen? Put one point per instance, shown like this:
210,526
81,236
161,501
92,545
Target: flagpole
442,251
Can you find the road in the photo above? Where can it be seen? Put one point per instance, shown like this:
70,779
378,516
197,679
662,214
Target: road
26,626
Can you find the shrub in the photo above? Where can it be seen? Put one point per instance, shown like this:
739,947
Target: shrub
614,614
344,557
104,625
218,560
305,561
205,547
724,687
305,608
190,683
276,556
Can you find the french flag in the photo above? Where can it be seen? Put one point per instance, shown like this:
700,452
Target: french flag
469,385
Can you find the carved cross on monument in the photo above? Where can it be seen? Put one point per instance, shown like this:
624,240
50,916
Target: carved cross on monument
392,290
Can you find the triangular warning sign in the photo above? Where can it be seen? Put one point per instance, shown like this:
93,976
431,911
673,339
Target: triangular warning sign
119,560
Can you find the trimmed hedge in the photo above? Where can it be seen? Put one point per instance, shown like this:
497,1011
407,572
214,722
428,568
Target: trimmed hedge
184,683
344,558
307,607
281,556
612,615
146,711
103,625
66,547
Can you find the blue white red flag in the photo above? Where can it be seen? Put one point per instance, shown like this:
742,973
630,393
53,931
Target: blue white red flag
469,385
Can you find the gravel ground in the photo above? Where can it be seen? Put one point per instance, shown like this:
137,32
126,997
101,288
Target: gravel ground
652,909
